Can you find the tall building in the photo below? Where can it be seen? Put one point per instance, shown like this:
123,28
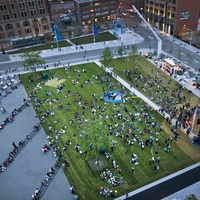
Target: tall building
97,10
173,16
127,4
21,18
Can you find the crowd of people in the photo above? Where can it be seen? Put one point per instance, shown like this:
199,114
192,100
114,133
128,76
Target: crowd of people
8,84
121,120
14,113
45,181
17,148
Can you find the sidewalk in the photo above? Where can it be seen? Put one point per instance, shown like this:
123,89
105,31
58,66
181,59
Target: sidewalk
128,38
25,173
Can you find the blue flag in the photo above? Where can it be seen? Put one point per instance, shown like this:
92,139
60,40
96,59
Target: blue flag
95,29
122,26
58,36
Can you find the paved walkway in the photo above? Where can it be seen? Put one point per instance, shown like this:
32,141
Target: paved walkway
25,173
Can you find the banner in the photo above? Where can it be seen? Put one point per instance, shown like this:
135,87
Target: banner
58,36
95,30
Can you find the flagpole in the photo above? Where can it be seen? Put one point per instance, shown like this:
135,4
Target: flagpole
94,39
56,37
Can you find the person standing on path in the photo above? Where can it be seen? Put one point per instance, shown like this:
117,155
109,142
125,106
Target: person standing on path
14,145
3,110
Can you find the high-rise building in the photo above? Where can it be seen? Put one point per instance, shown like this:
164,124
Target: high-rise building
97,10
173,16
127,4
21,18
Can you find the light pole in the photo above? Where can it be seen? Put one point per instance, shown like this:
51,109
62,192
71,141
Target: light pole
191,36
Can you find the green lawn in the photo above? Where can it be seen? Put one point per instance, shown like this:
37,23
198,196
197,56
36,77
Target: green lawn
106,36
156,91
80,174
41,47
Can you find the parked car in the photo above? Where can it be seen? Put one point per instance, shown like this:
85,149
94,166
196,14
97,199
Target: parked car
63,15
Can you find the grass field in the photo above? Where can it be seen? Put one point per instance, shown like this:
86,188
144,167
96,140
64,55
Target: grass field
81,89
155,84
106,36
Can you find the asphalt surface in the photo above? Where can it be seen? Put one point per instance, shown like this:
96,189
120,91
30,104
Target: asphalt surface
169,187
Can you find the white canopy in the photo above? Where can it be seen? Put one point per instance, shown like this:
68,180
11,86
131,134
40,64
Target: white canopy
170,61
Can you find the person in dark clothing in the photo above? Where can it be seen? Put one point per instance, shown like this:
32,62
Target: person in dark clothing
14,145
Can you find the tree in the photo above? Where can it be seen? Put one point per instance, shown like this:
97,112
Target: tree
31,59
171,50
179,55
120,51
133,54
191,197
106,56
97,138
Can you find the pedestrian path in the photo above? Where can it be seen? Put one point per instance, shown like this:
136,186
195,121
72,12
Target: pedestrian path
128,38
24,175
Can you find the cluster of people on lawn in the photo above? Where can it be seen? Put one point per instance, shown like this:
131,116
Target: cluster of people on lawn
120,123
167,103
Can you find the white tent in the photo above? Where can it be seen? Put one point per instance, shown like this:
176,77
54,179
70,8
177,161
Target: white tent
170,61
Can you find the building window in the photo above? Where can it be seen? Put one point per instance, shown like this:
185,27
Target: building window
27,31
19,32
15,15
85,16
2,36
23,14
97,14
33,12
5,17
31,4
45,27
1,29
105,8
26,23
21,5
12,6
44,21
42,11
11,34
9,26
162,5
17,24
3,7
40,3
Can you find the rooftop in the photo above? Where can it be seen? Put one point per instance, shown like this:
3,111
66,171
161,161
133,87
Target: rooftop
85,1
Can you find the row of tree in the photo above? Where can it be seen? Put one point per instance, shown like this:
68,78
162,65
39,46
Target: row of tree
33,59
180,55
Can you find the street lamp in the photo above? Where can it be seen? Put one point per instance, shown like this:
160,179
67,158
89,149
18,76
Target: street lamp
191,36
